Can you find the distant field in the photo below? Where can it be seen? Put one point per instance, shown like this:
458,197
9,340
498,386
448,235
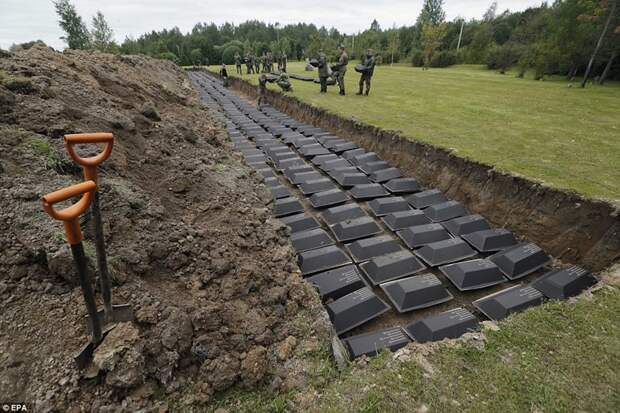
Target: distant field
565,137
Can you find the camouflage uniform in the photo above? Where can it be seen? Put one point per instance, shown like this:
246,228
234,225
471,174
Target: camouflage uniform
343,61
323,73
368,60
284,62
262,88
238,63
249,65
257,61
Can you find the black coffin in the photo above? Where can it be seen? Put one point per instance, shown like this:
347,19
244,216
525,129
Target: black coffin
473,275
371,167
391,267
328,198
368,248
520,260
267,173
490,240
287,163
405,219
466,225
352,229
310,239
364,158
336,163
300,222
348,155
414,293
370,344
445,211
349,179
402,185
322,259
280,191
310,151
368,191
287,206
449,324
511,300
272,182
426,198
344,146
564,282
355,309
420,235
342,213
444,252
385,175
321,159
387,205
300,142
317,185
293,171
336,283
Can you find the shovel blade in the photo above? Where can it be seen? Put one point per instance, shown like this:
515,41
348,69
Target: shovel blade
120,313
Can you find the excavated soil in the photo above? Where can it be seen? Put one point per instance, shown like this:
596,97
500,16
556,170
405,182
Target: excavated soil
570,227
211,277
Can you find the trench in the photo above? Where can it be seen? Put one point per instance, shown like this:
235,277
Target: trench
574,229
242,115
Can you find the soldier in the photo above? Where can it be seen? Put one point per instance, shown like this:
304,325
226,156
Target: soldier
368,61
238,63
284,62
343,61
323,73
248,63
257,64
224,75
262,88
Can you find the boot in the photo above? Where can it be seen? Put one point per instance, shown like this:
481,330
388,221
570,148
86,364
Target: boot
360,92
342,92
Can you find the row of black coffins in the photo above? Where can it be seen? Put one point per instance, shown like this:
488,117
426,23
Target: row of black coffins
373,241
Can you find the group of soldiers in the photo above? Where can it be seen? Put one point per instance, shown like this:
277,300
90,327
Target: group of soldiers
254,64
339,69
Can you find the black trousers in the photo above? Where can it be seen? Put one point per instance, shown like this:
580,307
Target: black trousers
323,84
365,79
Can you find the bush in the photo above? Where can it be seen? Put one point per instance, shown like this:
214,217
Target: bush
417,58
444,58
228,55
168,56
503,57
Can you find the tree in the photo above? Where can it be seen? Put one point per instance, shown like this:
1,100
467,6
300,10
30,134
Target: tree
102,34
77,36
393,44
432,36
489,15
196,56
374,26
432,12
599,43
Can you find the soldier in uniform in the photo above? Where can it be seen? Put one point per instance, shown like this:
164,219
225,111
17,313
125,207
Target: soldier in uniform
257,61
262,88
284,61
341,66
248,63
323,73
368,61
238,63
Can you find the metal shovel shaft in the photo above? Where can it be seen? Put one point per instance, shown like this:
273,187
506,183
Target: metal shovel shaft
102,262
87,290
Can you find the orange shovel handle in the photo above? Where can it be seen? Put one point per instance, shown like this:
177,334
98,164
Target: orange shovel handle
70,214
90,164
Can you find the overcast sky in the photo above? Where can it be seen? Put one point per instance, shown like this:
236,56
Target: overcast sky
25,20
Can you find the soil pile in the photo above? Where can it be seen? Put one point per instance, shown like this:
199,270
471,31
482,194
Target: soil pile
211,277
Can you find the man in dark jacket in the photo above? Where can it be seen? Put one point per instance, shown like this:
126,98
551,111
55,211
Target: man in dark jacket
323,72
368,61
341,67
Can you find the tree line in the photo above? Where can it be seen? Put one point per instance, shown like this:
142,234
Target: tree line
566,37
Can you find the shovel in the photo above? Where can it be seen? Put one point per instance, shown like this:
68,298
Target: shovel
111,313
70,217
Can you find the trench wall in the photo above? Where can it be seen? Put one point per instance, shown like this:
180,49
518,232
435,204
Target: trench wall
572,228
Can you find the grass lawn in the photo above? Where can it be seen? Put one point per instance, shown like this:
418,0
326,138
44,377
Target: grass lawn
565,137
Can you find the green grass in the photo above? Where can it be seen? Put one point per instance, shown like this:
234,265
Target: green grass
560,357
565,137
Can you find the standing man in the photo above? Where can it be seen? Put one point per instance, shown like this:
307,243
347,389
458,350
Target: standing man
343,61
368,61
248,63
238,63
262,88
257,63
284,62
323,73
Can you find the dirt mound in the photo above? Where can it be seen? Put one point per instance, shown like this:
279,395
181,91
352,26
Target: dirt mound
191,245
